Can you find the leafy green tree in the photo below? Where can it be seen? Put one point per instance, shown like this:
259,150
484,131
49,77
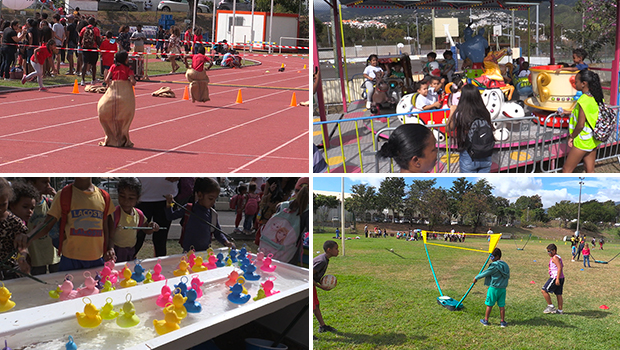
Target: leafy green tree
391,194
434,206
362,199
599,26
595,211
321,205
500,207
564,210
473,207
417,190
460,186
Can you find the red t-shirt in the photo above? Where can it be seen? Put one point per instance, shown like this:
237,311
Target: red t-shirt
96,32
198,62
198,38
120,72
41,55
107,58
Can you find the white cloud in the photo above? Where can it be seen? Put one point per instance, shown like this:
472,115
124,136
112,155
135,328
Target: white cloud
370,180
514,187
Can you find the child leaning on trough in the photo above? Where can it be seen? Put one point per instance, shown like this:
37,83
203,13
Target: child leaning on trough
496,277
555,283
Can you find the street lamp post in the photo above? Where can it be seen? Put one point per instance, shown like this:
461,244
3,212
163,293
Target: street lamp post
579,205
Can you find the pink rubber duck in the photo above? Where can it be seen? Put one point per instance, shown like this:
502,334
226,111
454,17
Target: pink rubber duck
232,279
164,298
66,288
268,288
107,275
90,286
196,284
211,262
267,267
258,262
157,276
191,257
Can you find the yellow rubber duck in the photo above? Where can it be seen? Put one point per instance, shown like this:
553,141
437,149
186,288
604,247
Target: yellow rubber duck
169,323
228,261
148,278
209,251
5,303
183,266
90,318
178,300
128,281
260,295
107,287
127,317
107,311
198,266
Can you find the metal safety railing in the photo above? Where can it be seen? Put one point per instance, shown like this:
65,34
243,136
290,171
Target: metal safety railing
525,144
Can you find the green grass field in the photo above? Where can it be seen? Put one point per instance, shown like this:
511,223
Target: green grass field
387,300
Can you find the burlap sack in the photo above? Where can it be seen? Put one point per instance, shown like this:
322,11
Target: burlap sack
198,85
116,111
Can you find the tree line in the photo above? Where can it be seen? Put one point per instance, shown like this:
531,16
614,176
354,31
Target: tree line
468,203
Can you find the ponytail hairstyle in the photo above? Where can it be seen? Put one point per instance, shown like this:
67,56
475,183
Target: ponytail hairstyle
370,58
406,142
594,84
49,45
121,58
470,108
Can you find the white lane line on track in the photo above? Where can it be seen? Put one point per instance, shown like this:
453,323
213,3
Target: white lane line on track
211,76
147,94
200,139
305,133
144,127
90,118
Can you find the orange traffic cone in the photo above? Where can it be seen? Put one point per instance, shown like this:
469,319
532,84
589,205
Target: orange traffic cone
294,101
305,67
134,90
76,89
239,99
282,66
186,94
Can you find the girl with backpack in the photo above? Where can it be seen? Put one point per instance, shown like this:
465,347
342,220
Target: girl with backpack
471,123
282,234
582,121
250,209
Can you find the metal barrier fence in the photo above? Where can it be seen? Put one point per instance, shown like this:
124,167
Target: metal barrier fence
529,145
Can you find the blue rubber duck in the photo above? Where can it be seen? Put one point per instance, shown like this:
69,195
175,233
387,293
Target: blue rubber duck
236,295
138,274
191,304
249,273
233,255
181,288
220,260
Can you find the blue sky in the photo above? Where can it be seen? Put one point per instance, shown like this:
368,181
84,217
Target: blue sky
552,189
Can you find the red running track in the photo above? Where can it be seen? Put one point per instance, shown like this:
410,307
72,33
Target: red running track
59,132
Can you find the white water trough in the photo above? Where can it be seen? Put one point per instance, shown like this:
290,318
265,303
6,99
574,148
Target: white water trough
40,322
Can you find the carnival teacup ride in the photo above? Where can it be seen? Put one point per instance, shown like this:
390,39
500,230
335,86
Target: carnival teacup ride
552,91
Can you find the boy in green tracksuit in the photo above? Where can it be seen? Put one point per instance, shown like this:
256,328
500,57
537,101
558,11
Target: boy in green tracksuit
496,277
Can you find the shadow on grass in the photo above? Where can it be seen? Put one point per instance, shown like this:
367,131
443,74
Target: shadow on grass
551,320
375,339
590,313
